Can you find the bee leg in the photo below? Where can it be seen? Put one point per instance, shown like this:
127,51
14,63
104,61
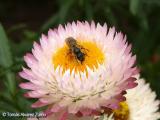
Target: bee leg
69,52
82,48
85,53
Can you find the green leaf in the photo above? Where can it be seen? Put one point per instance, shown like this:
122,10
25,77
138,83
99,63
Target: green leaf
60,17
64,10
5,54
50,22
6,102
6,60
134,6
88,10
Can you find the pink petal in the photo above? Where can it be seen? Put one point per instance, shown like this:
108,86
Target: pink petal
86,111
38,104
52,109
28,85
95,112
63,116
120,97
48,112
35,94
37,50
56,108
27,74
135,71
44,41
114,106
128,49
30,59
132,61
113,102
131,83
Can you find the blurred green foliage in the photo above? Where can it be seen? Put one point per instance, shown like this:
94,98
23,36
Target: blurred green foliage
138,19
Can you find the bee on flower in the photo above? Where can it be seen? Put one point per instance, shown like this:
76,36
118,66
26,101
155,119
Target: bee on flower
79,69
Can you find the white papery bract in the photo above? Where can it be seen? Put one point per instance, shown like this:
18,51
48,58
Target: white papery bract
142,102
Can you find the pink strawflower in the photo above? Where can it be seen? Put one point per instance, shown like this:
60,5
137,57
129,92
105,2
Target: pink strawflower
83,82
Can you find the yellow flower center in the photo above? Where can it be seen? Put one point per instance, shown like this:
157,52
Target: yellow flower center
67,59
118,114
122,113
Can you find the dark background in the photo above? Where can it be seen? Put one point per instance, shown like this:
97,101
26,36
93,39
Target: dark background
25,20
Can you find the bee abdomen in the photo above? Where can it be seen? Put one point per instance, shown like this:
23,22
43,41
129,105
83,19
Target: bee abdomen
80,56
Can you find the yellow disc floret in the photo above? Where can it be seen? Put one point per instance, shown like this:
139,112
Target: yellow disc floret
65,57
122,113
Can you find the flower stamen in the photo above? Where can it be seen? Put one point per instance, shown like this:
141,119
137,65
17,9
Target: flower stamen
122,113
